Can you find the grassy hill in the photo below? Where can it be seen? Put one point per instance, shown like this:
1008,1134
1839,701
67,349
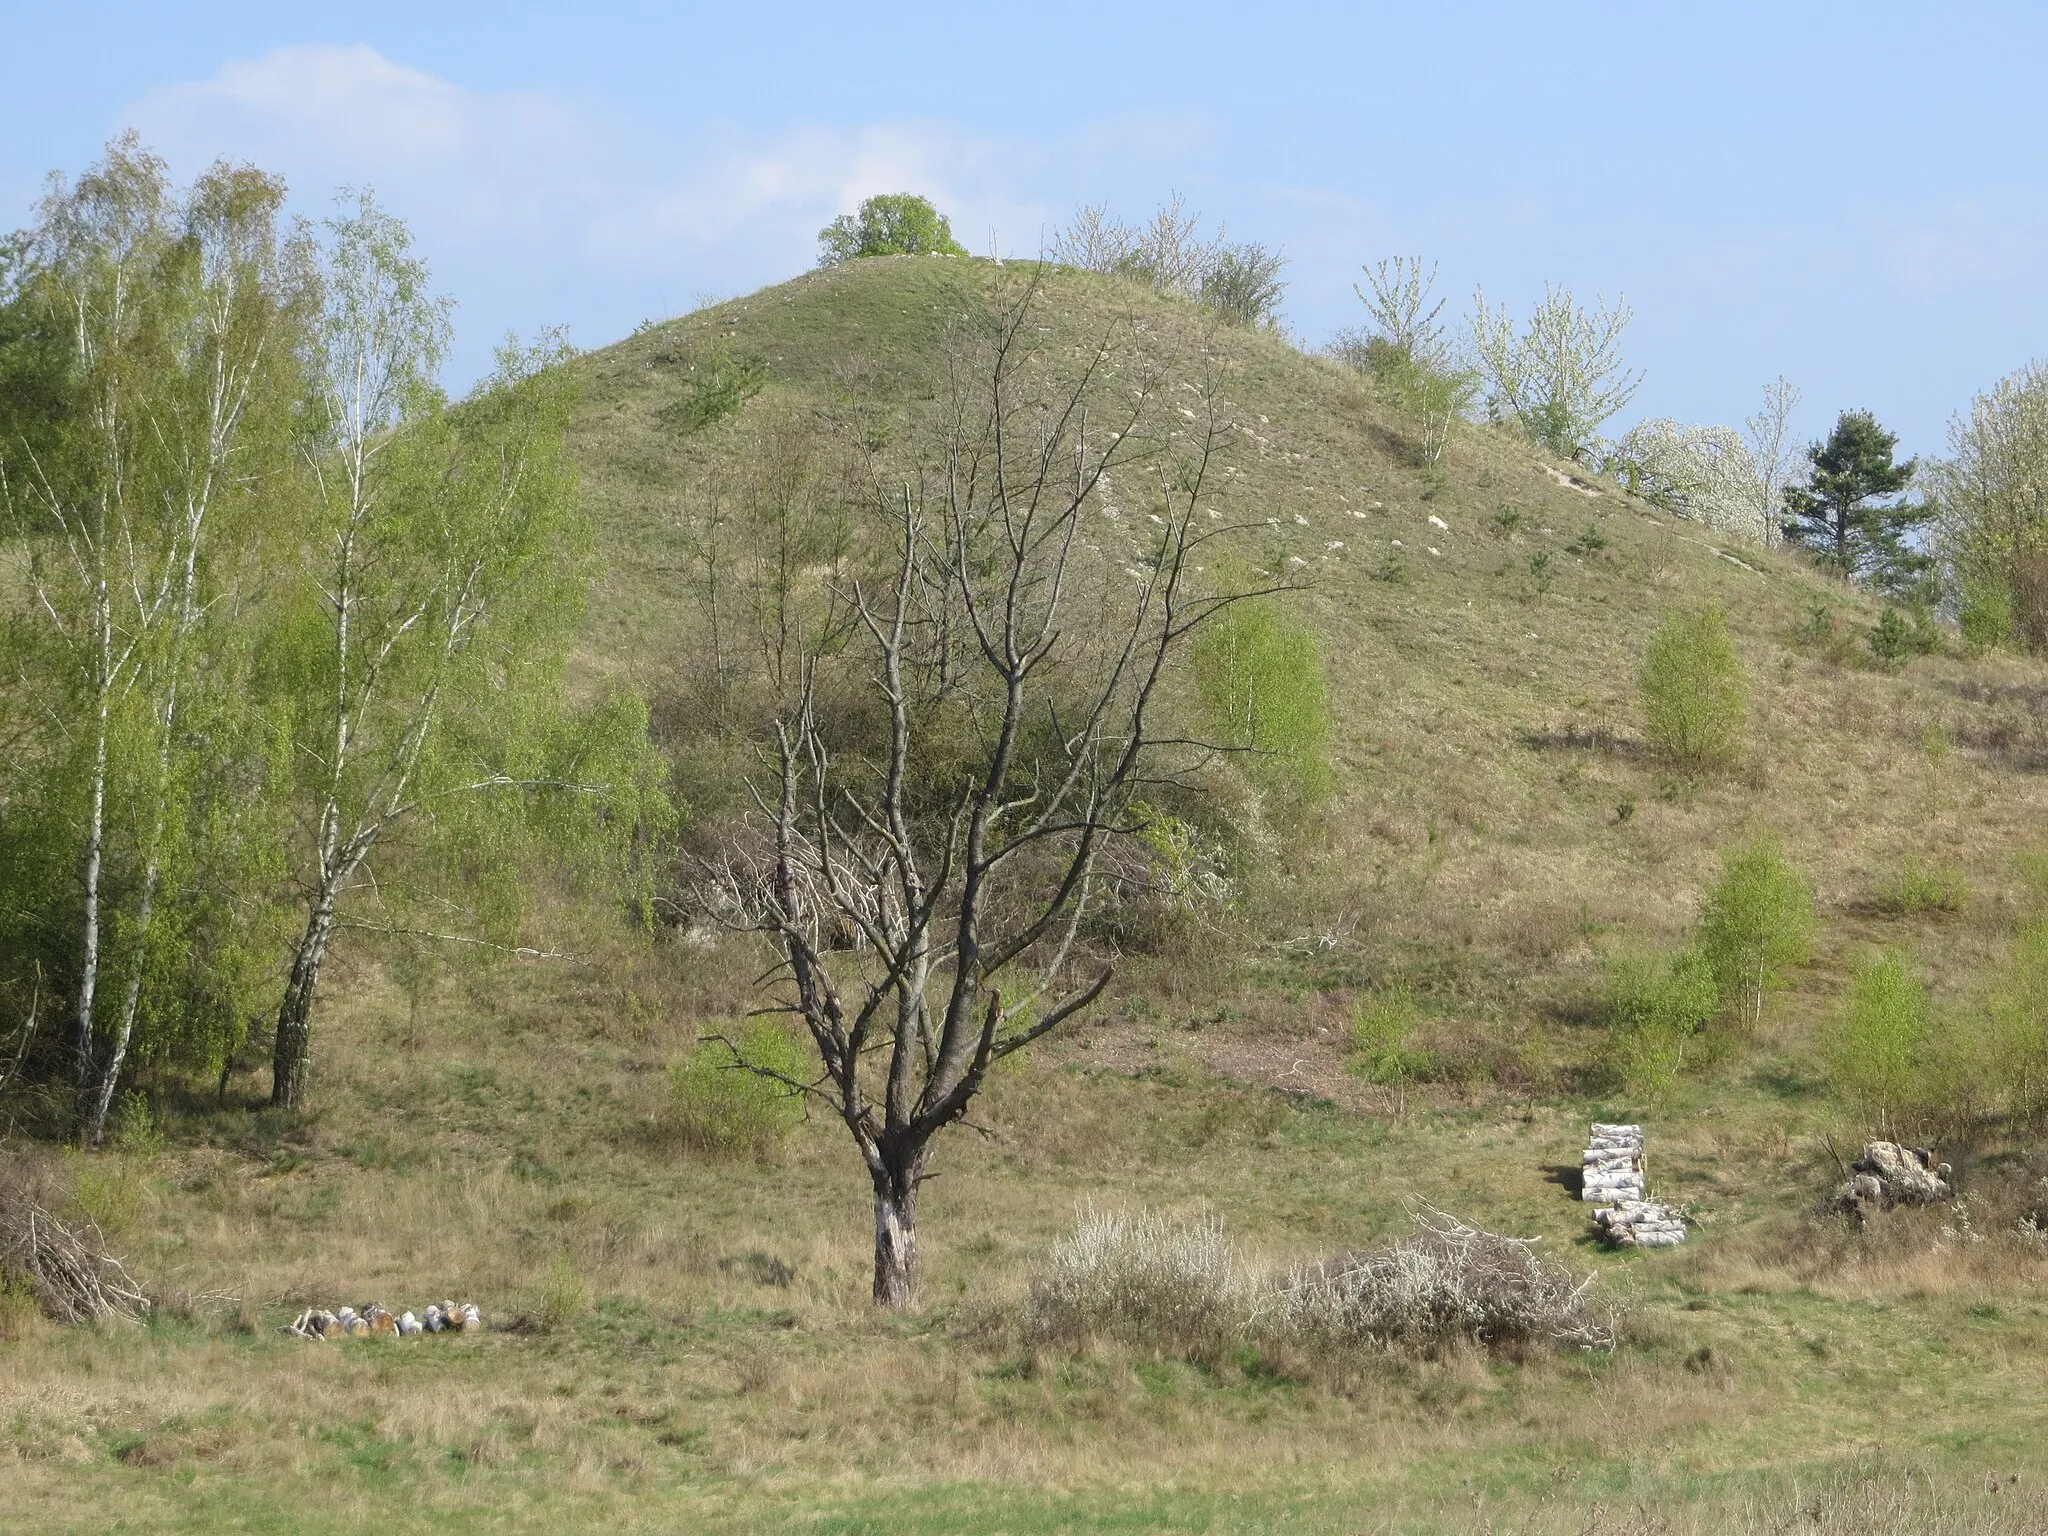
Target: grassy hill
1496,828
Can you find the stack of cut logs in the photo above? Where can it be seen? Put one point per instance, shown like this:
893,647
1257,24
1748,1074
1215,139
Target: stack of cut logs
1612,1176
373,1320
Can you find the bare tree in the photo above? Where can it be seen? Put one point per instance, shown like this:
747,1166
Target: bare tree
1402,315
1776,458
1025,608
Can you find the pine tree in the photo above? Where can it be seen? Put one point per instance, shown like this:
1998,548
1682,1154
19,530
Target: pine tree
1842,514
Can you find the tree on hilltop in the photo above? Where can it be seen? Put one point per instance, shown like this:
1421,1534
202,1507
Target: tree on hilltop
893,224
1841,514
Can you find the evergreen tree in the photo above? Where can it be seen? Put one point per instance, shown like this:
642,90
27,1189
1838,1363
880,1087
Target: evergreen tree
894,224
1843,515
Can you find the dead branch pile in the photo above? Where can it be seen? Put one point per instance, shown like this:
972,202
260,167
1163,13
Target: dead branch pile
74,1278
1452,1281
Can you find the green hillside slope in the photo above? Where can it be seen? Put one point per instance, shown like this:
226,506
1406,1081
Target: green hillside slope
1482,624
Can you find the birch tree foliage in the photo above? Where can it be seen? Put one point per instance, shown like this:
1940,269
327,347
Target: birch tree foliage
157,337
419,657
1991,498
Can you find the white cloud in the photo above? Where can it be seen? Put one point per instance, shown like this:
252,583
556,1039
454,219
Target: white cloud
537,208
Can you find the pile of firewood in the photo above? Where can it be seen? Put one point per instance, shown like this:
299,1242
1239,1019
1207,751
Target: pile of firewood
1613,1175
373,1320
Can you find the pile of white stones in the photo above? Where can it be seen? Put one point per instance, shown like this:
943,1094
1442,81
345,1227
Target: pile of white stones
347,1323
1613,1176
1889,1174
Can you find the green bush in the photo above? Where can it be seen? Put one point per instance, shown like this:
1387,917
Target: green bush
1382,1036
1877,1045
893,224
717,1106
1694,692
1261,679
1654,1006
1922,887
1984,609
717,386
1242,284
1756,924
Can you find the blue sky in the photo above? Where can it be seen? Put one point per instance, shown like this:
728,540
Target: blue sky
1855,196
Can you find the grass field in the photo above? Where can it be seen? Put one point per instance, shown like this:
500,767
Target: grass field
685,1343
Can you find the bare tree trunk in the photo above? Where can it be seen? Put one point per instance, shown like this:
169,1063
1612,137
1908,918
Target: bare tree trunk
896,1230
295,1013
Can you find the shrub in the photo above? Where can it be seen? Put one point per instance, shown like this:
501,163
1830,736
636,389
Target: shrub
1896,639
1451,1282
1242,284
1382,1037
1879,1039
719,1107
1756,924
1654,1006
1694,692
1239,283
1984,611
2013,1058
21,1313
1922,887
717,386
1147,1280
893,224
1258,673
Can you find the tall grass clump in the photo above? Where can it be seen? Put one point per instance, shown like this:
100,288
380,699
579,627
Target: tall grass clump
1383,1039
1261,680
564,1294
725,1110
1877,1044
1757,923
1695,694
1655,1007
1152,1281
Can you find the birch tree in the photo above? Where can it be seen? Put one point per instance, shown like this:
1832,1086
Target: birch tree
177,324
1991,493
443,572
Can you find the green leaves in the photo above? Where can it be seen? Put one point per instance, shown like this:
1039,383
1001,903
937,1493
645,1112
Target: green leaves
1756,924
1694,692
1655,1006
1256,667
893,224
1875,1047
